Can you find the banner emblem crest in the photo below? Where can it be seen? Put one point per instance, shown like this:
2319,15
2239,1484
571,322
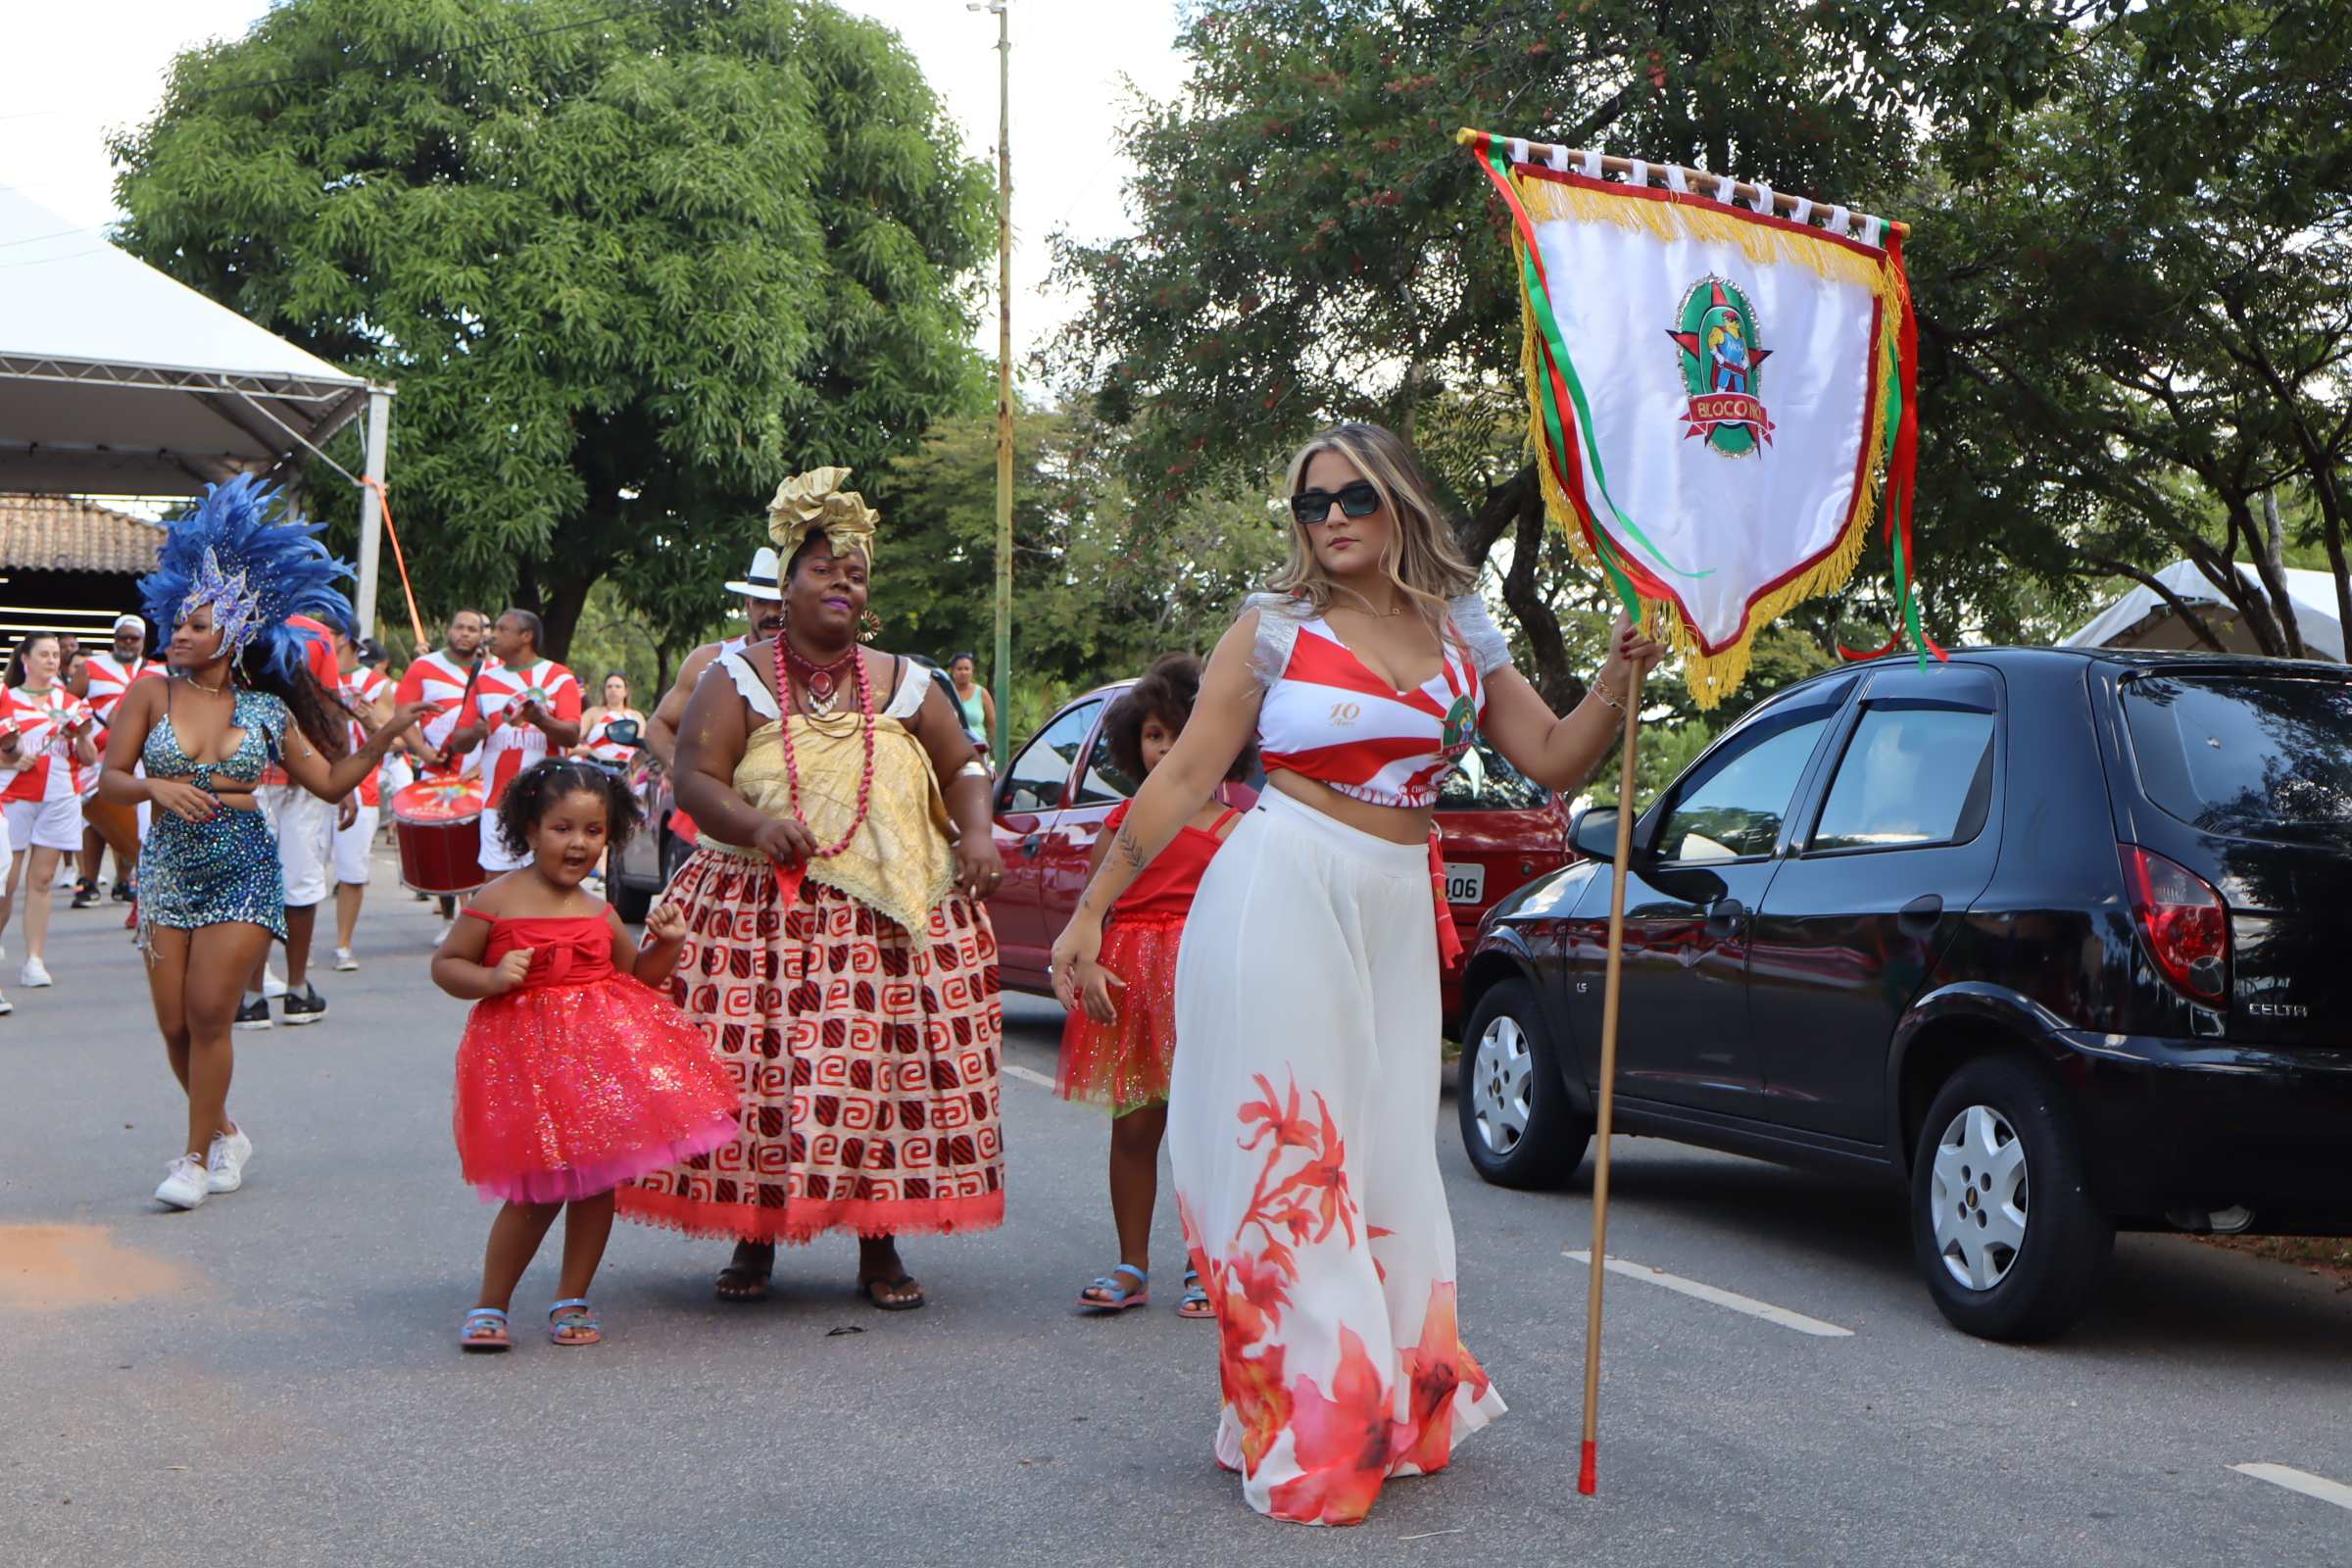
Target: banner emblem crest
1723,367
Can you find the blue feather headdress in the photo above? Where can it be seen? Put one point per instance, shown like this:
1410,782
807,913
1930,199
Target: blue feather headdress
237,554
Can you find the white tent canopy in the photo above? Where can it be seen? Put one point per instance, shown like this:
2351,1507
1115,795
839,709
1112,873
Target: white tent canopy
2142,620
117,380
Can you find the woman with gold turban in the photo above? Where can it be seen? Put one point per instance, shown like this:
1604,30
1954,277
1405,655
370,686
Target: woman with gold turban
838,958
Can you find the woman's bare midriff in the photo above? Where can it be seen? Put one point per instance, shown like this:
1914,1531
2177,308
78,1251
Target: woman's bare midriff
1398,824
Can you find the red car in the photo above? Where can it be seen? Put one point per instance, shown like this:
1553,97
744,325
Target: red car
1500,830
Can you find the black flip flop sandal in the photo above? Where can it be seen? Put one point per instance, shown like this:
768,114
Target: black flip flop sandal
866,1288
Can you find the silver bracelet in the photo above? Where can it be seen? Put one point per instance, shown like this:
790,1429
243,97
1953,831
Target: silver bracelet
1601,691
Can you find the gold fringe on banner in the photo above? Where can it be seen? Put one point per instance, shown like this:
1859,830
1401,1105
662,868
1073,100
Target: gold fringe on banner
1711,677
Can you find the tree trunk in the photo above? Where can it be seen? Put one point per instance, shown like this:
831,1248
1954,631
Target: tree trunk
1518,504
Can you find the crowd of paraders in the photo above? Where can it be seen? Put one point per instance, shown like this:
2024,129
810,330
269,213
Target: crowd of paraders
803,1036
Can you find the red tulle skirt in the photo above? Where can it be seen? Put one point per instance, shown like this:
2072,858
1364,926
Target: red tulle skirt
1123,1066
566,1091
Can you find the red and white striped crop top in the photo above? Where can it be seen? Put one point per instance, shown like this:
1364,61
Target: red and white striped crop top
1325,716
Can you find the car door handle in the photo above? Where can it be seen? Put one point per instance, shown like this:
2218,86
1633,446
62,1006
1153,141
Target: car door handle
1918,918
1723,916
1031,845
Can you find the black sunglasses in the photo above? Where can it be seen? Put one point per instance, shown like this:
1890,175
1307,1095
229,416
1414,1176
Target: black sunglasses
1357,500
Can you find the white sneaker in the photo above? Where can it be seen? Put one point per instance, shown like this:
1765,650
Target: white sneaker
184,1182
6,1007
271,986
224,1170
34,975
344,961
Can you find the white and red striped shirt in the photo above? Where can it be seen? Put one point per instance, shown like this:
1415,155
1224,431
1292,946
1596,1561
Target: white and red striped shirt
1325,716
602,748
110,679
438,679
361,690
46,769
511,745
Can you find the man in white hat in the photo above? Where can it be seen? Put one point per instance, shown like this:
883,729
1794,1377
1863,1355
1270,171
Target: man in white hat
763,613
101,679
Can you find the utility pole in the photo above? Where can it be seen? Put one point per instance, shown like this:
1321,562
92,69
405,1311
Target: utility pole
1003,739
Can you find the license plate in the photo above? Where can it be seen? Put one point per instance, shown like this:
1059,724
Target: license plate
1465,884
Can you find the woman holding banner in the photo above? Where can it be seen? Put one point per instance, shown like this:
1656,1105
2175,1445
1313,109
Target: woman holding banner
1303,1103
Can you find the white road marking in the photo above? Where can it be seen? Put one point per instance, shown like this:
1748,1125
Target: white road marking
2303,1481
1708,1293
1029,1075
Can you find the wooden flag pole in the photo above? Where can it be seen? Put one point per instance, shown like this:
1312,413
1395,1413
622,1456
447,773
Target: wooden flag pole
1588,1477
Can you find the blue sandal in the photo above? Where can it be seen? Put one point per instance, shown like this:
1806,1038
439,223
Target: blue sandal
1121,1297
469,1340
1196,1299
571,1323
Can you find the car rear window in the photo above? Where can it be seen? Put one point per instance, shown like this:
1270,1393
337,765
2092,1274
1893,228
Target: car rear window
1482,781
2250,756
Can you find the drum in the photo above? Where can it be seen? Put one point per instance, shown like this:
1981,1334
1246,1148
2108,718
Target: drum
436,823
117,825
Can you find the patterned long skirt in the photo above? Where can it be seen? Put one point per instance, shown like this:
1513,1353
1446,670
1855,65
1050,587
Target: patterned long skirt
1302,1111
866,1057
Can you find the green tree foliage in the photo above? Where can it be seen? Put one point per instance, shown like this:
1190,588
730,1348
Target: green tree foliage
2135,313
1095,597
629,265
1311,245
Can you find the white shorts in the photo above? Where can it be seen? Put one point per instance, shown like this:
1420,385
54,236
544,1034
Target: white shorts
494,855
352,845
306,829
45,824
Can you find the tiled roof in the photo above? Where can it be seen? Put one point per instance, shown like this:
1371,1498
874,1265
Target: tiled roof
64,533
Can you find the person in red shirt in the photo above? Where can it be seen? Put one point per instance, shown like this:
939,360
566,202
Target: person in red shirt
367,694
523,708
101,679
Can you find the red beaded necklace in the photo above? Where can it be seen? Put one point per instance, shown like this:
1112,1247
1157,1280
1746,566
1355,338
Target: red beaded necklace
786,656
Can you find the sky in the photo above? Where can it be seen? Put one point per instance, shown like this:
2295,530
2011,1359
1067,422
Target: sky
73,72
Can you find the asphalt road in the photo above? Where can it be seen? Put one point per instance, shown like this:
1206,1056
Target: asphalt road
272,1380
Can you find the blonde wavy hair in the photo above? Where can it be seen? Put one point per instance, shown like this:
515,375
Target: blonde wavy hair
1421,559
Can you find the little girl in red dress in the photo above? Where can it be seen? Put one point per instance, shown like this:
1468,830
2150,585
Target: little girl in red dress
574,1074
1116,1053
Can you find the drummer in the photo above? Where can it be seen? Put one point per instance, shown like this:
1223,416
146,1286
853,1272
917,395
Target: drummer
442,677
523,707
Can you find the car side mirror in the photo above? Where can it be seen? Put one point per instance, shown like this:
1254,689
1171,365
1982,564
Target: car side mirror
1594,833
625,733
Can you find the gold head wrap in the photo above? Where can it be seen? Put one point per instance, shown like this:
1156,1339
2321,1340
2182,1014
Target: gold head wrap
815,503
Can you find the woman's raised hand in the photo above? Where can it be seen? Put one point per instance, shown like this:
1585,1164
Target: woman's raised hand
785,840
182,799
1629,648
405,717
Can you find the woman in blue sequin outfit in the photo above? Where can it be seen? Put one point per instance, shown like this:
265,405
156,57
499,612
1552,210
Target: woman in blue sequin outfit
238,695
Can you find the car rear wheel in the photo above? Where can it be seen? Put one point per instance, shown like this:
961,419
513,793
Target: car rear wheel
1518,1123
2008,1236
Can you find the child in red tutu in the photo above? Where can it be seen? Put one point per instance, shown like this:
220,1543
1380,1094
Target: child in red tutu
1115,1053
574,1074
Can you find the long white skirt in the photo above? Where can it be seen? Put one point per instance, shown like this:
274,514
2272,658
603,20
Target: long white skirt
1301,1126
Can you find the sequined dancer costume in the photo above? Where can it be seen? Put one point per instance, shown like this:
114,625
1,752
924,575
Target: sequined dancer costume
582,1077
204,874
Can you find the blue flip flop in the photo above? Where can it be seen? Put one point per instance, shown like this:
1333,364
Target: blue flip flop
467,1340
572,1317
1121,1297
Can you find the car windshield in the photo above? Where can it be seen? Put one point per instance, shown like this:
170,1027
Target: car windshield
2250,756
1482,781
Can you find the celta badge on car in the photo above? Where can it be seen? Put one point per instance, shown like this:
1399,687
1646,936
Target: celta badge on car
2275,1009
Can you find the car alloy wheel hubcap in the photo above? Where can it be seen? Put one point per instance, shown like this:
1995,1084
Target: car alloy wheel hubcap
1978,1193
1501,1081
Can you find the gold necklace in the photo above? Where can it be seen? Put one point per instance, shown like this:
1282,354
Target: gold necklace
202,687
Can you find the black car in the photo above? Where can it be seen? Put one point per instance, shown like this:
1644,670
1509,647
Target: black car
2055,937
